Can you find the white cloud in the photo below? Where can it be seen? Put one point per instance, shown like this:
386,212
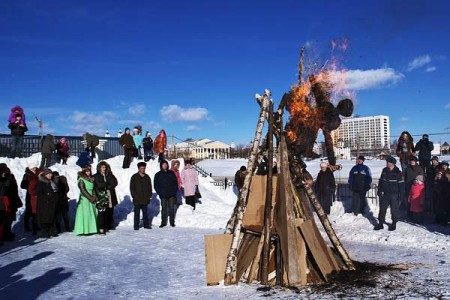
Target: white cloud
366,79
404,119
447,106
174,113
192,128
95,123
419,62
137,109
430,69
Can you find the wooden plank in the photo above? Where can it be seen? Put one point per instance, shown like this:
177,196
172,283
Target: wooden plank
246,254
216,252
318,248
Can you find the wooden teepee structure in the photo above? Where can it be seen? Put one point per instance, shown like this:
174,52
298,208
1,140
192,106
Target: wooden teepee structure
272,236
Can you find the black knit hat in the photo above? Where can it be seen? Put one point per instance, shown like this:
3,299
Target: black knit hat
141,164
413,158
435,158
361,158
391,160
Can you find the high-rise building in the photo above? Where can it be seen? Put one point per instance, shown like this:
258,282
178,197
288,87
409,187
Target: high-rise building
370,133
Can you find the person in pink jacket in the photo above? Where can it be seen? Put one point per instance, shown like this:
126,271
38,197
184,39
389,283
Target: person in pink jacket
189,179
175,167
416,199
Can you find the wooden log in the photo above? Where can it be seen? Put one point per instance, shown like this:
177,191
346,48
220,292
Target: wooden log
268,205
329,229
230,270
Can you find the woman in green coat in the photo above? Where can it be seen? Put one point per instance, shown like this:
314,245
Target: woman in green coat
86,216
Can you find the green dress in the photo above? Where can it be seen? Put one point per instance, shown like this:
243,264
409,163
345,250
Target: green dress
86,216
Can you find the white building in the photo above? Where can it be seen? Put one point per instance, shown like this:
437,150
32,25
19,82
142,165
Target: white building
202,148
369,132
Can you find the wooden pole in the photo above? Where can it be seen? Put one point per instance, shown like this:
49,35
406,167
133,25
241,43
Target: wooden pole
230,269
268,204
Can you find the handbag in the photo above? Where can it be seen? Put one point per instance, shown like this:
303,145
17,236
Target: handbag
198,195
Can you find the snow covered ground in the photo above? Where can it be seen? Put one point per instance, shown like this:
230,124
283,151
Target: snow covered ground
169,263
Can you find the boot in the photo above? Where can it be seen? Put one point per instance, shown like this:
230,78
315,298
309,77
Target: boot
379,226
392,227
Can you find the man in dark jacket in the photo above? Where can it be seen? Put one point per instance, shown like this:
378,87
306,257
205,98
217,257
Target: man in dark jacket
359,180
47,149
391,188
166,186
141,191
127,143
18,129
239,179
92,141
47,200
424,146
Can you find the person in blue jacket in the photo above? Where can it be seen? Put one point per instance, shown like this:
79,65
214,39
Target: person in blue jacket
359,179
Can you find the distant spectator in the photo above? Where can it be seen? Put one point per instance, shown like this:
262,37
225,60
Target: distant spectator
262,167
391,188
239,179
324,187
359,180
127,143
62,206
47,199
84,159
430,182
62,151
141,191
9,201
189,179
160,145
105,188
47,149
137,138
416,199
175,167
147,143
92,141
29,181
405,149
425,147
442,195
166,186
18,128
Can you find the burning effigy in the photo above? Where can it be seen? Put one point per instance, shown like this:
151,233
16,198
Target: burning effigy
272,236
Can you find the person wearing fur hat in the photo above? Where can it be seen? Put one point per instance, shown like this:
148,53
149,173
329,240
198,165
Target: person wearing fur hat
405,149
127,143
47,199
441,196
86,215
411,173
359,180
62,151
424,147
9,201
105,188
189,179
160,145
18,127
391,188
175,167
141,191
166,186
324,187
48,147
29,181
416,199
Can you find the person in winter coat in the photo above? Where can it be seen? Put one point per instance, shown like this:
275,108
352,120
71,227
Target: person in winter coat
29,181
189,179
425,147
141,191
47,199
441,197
105,188
62,206
47,149
92,141
391,188
416,199
239,179
166,186
175,167
324,187
411,173
137,138
405,149
160,145
147,143
18,128
127,143
86,215
62,151
359,180
9,201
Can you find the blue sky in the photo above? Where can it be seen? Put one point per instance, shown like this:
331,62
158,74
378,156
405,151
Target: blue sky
193,67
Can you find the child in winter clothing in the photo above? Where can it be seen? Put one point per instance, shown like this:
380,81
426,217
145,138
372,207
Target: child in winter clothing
416,199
